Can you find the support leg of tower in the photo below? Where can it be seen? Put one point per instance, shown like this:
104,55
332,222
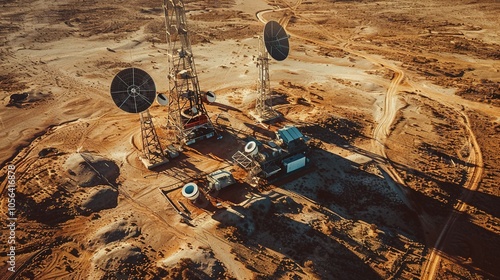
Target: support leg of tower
153,153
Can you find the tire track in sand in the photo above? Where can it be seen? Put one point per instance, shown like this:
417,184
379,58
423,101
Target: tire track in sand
476,168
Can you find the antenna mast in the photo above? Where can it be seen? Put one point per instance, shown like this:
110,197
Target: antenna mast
275,43
133,90
187,120
263,104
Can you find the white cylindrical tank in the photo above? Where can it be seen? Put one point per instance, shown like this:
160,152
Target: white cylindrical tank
190,191
251,148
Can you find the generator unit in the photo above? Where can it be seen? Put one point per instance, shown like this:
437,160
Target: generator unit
219,179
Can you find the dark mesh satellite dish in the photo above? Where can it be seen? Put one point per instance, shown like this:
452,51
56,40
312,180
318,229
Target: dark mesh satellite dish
276,40
133,90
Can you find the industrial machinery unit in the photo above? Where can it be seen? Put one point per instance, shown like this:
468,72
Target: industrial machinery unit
284,155
219,179
187,120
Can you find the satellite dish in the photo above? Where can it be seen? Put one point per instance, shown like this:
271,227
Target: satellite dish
251,148
276,40
210,96
162,99
133,90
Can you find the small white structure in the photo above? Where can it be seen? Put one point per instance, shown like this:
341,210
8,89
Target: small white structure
162,99
219,179
190,191
251,148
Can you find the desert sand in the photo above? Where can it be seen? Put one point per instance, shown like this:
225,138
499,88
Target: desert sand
400,99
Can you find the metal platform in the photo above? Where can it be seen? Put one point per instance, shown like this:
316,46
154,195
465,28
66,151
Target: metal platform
242,160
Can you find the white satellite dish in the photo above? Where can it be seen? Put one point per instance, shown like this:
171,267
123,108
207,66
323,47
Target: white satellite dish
210,96
251,148
162,99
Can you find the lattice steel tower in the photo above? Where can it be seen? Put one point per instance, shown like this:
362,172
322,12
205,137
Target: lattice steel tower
188,120
274,43
263,105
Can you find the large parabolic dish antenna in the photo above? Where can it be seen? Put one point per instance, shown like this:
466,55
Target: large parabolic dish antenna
133,90
276,40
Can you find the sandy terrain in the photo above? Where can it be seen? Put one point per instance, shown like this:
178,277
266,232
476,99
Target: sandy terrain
400,100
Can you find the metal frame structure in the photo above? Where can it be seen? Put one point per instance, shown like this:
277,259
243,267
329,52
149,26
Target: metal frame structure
263,104
187,120
151,146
